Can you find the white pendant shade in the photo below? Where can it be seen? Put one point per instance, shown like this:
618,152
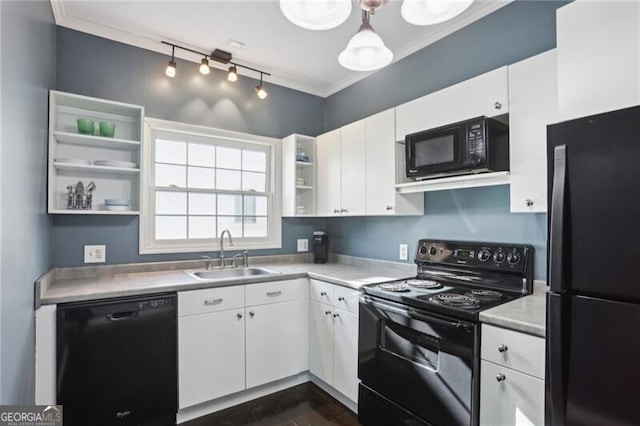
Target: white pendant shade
316,14
430,12
365,52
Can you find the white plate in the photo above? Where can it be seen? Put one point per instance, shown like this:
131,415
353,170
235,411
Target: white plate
72,161
114,163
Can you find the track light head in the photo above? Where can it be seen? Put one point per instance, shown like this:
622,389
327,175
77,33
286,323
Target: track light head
204,66
261,92
171,69
232,75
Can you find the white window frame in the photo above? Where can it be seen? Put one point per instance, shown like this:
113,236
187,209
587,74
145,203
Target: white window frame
147,242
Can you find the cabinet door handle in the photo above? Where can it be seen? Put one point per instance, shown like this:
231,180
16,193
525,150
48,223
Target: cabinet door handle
252,314
497,105
340,298
528,202
239,315
210,302
336,211
501,377
327,312
389,208
336,315
502,348
343,210
274,293
323,293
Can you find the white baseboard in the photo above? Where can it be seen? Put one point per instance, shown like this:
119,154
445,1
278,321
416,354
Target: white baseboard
351,405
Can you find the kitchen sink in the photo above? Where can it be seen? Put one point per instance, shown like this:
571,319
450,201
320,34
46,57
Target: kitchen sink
223,274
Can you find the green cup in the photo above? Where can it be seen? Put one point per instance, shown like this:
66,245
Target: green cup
86,126
107,129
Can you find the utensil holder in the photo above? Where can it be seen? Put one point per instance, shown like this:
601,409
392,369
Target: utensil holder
79,201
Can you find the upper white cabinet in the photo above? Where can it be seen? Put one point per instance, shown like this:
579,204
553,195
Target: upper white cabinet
533,105
380,170
298,176
352,145
486,94
329,173
112,163
598,45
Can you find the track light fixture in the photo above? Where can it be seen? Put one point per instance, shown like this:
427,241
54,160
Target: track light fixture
260,90
171,68
217,56
232,74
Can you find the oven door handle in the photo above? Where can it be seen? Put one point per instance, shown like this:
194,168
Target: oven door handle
412,313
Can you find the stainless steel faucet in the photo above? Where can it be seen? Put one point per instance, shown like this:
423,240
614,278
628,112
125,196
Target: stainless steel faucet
222,265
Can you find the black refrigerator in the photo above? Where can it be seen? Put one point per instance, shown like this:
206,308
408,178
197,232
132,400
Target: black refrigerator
593,303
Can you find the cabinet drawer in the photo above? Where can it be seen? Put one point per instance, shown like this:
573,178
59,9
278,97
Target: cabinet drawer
210,300
275,291
321,291
346,298
519,351
508,397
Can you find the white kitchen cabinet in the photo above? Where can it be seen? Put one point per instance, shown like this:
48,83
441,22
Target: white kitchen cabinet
598,47
298,177
329,192
486,94
333,339
511,378
352,148
211,344
533,104
72,155
380,170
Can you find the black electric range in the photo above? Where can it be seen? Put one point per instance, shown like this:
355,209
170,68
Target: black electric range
419,338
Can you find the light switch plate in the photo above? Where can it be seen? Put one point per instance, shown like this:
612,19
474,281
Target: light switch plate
303,245
404,252
95,254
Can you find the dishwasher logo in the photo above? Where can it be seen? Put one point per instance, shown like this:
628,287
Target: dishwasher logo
30,415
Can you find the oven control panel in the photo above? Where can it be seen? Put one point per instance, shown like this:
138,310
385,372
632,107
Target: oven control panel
499,257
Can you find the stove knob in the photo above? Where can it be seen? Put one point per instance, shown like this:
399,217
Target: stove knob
484,255
513,258
423,250
499,257
433,251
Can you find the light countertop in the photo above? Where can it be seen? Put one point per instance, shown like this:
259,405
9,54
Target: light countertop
526,314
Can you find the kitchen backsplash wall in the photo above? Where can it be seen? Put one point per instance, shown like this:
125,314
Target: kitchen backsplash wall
101,68
474,214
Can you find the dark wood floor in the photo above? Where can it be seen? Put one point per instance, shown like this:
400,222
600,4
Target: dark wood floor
303,405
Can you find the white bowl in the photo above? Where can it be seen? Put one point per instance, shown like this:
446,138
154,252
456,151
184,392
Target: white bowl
116,202
115,208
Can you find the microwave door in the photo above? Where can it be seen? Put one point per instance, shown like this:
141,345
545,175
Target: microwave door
431,153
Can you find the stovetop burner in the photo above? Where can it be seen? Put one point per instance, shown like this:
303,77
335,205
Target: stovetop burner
394,287
484,294
455,299
426,284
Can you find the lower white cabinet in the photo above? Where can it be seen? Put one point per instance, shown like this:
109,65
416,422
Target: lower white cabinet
333,341
511,378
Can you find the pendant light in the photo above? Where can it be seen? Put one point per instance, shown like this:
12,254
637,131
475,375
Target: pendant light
316,14
366,50
171,68
430,12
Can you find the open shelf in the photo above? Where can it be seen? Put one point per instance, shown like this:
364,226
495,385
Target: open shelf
304,187
95,141
95,211
455,182
96,169
304,164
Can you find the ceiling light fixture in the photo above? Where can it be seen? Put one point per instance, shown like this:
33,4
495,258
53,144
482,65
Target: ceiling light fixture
366,50
260,90
217,56
232,74
171,68
317,15
204,66
430,12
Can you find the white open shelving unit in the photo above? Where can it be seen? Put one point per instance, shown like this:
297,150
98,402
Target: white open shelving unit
298,199
66,143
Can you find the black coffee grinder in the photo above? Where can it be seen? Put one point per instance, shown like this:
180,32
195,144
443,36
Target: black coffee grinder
320,247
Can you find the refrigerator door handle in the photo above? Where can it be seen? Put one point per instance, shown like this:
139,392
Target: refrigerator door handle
556,371
556,233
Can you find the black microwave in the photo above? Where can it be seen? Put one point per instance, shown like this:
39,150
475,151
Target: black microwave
471,146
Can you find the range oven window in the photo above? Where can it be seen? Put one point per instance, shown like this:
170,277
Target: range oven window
411,345
438,150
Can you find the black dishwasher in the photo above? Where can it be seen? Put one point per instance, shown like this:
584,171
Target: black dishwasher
117,361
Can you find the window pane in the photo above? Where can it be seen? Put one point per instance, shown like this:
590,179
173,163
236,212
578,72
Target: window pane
202,155
229,205
171,227
254,160
202,204
171,152
253,181
202,227
200,177
174,176
228,158
228,179
171,202
232,223
255,205
255,226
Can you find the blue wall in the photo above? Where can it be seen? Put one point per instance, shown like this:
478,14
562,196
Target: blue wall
101,68
514,32
27,49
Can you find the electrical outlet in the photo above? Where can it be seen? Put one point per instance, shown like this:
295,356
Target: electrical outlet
303,245
404,252
95,254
